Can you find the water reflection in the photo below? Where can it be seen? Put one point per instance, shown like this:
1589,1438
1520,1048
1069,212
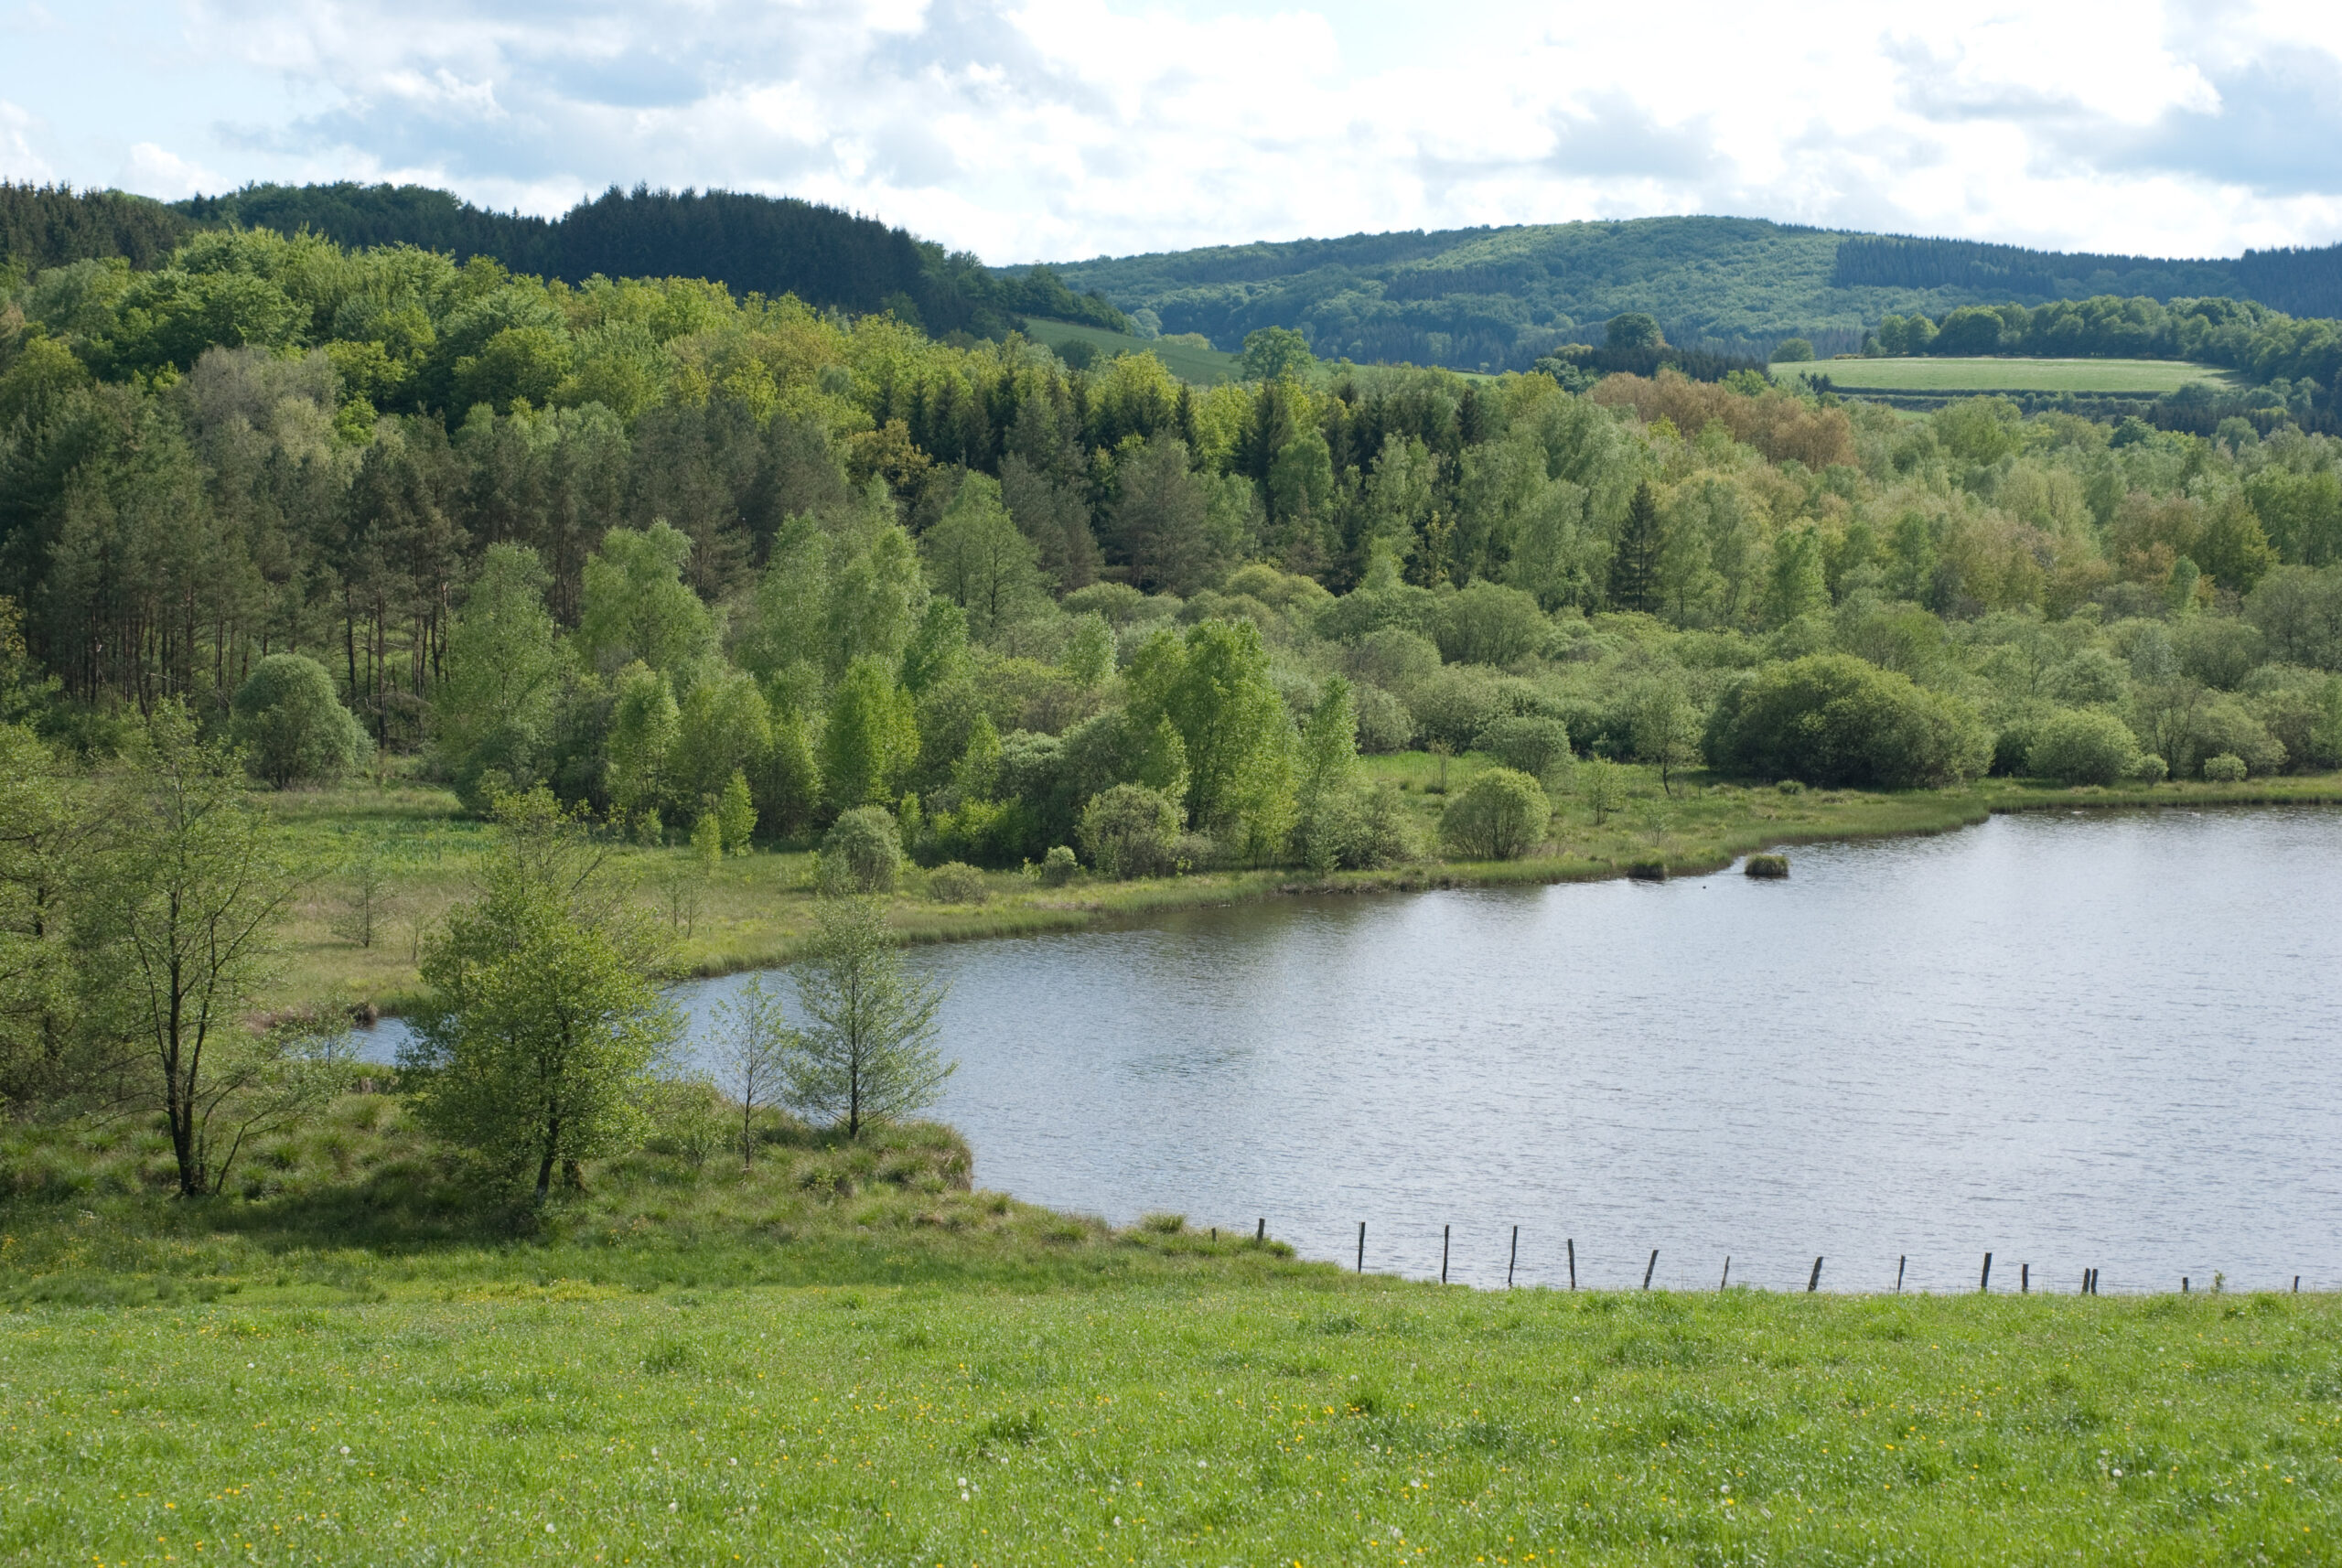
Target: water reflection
2072,1041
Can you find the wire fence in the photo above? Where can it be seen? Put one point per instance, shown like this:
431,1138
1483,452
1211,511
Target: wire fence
1566,1269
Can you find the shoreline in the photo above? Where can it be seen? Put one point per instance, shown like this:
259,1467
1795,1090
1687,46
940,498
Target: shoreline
1771,821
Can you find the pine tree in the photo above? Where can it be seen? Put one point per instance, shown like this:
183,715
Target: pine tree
1634,565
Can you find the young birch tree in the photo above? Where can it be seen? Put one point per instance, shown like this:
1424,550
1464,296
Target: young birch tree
758,1045
867,1053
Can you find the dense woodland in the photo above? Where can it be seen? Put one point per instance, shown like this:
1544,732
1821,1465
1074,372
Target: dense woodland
752,244
659,547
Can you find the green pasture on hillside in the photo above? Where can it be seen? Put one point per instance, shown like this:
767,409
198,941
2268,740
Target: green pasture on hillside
1995,374
1206,367
1318,1421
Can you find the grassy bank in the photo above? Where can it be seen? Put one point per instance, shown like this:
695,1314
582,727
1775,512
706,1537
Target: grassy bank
755,910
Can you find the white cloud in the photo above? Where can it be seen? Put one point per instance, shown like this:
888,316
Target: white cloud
158,172
20,159
1065,128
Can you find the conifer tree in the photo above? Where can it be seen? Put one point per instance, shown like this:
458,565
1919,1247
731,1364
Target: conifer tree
1634,566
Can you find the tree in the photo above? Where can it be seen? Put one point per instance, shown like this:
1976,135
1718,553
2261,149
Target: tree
42,859
977,558
1325,815
1274,353
1634,565
1833,719
493,705
644,724
754,1046
1500,815
1214,687
1666,729
543,1019
187,890
637,604
862,853
1537,746
1130,831
1634,331
1160,518
867,1052
1793,351
871,739
292,726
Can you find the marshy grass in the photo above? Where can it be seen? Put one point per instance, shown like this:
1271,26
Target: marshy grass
1766,867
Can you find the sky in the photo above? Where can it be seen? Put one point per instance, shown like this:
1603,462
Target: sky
1058,130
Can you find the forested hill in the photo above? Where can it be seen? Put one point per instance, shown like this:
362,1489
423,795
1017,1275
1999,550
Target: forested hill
752,243
1500,298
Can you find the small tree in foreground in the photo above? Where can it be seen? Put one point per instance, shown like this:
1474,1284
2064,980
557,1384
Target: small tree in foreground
753,1055
544,1018
867,1052
183,899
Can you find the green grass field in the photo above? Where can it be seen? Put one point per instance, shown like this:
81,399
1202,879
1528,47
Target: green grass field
1993,374
1177,1416
1206,367
365,1355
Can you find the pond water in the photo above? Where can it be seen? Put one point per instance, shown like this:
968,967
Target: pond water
2071,1040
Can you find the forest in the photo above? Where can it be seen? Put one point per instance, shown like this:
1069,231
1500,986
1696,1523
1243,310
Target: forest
1497,299
752,244
679,556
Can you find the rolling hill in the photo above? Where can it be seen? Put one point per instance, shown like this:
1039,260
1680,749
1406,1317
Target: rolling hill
1498,299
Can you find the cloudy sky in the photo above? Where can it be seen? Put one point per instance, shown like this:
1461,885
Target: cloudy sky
1059,129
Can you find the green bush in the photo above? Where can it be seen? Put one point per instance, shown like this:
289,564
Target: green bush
1384,725
2084,747
291,724
1539,748
1500,815
1833,719
1455,703
861,852
1130,831
1058,867
2228,767
1766,867
956,882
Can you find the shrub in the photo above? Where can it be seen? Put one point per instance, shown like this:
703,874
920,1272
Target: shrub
1539,748
1130,831
1384,725
2228,767
1767,868
2082,749
1500,815
1059,866
956,882
861,852
1453,703
1833,719
293,727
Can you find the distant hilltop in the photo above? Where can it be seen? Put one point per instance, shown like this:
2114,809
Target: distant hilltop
1472,299
1500,298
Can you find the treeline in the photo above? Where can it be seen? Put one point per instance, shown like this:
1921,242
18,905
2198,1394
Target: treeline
752,244
739,569
49,225
2299,280
2264,344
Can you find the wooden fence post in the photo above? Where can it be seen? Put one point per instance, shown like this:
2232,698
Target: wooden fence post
1514,1260
1985,1282
1361,1246
1900,1263
1651,1268
1443,1252
1814,1280
1571,1242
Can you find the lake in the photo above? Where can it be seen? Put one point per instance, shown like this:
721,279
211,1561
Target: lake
2072,1040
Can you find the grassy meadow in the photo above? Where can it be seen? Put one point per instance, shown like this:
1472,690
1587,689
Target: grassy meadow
1994,373
847,1355
755,910
1204,367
